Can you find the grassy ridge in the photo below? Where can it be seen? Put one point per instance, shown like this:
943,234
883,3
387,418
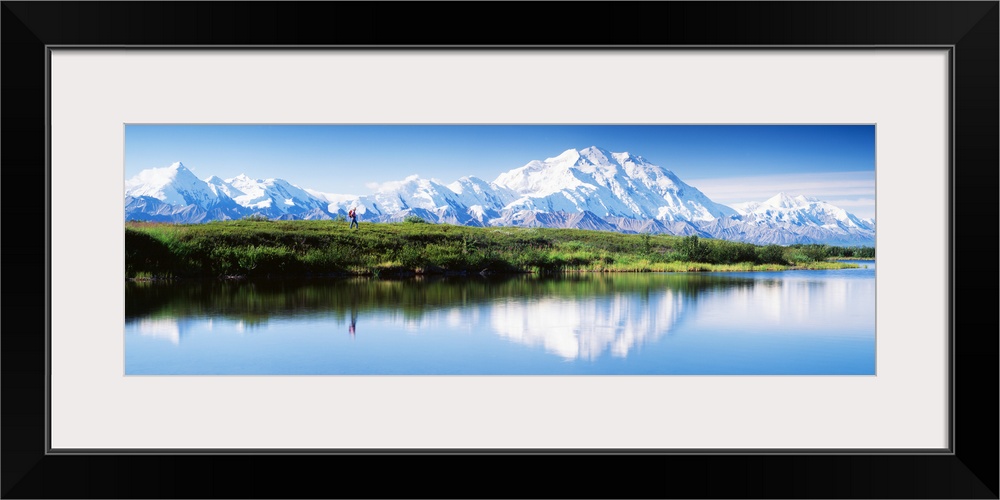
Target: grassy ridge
271,248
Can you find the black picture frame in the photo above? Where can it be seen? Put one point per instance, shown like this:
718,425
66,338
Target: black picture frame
970,470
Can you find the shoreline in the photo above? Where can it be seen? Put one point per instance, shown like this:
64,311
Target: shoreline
483,274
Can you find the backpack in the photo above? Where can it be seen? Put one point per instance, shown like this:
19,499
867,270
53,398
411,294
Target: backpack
351,213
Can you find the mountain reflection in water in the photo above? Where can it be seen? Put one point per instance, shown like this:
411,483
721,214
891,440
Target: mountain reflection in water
576,318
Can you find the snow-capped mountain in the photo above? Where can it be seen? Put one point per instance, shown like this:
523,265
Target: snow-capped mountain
173,185
483,199
800,211
468,201
273,197
608,185
783,219
175,194
590,188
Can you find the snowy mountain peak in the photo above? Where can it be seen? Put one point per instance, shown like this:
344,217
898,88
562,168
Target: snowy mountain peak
596,155
570,155
805,212
175,185
242,178
161,175
596,180
783,200
626,157
468,183
595,159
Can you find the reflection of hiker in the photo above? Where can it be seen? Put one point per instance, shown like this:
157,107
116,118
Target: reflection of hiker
353,214
354,320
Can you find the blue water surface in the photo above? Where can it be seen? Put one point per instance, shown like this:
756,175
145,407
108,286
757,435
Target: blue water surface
754,323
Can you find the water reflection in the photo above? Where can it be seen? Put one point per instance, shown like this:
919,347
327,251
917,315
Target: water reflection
535,311
256,302
657,323
163,328
579,316
354,321
587,327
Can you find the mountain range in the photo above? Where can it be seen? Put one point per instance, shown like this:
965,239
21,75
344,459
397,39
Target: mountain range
590,188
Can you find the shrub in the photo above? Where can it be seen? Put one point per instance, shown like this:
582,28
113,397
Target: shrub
646,246
693,250
414,219
771,254
144,253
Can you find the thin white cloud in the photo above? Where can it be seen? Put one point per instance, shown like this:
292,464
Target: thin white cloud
390,185
332,197
851,203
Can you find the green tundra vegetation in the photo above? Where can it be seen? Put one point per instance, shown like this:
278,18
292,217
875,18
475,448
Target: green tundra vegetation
261,248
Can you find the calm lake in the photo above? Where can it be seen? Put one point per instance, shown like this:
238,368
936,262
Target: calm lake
770,323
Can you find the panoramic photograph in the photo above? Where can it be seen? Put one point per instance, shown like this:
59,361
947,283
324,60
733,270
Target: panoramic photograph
499,250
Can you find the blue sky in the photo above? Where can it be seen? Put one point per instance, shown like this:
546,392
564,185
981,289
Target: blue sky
729,163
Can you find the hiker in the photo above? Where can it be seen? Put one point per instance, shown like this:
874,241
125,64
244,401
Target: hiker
353,214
